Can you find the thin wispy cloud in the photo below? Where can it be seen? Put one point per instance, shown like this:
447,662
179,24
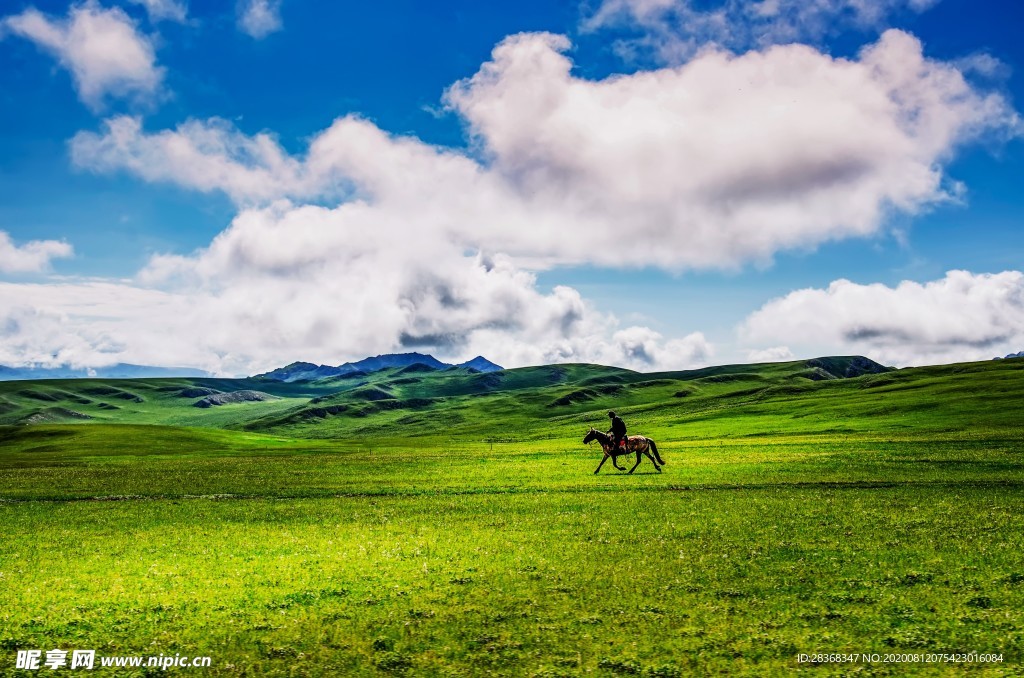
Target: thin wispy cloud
164,10
672,31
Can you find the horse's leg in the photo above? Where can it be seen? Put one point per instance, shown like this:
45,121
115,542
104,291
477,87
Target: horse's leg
615,460
603,460
638,458
648,454
610,452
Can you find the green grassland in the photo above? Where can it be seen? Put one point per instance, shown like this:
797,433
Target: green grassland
449,523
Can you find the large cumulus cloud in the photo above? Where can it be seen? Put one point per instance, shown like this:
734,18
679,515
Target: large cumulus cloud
725,160
290,282
371,242
962,316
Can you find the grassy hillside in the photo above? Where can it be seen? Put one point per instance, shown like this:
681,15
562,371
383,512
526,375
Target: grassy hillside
448,523
547,402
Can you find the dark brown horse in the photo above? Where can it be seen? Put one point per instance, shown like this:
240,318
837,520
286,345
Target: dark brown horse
634,444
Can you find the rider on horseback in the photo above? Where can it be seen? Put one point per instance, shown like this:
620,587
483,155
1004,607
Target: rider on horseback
617,431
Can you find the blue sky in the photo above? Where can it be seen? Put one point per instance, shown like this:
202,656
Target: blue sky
699,279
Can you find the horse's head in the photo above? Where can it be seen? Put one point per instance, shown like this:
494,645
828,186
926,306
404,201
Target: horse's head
591,435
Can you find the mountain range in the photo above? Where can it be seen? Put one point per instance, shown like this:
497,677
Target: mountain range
417,393
301,371
298,371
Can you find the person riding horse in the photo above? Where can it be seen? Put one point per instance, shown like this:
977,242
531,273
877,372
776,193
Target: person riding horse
639,445
618,430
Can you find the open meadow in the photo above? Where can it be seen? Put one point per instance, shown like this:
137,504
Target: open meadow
449,523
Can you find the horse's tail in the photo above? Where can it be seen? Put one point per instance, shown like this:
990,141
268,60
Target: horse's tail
654,450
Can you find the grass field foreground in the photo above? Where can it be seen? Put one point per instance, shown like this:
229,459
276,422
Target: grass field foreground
882,513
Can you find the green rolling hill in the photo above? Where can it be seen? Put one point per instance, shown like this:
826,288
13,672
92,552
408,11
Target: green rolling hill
834,394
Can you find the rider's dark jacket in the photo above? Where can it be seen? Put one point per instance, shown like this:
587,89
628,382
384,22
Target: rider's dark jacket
618,429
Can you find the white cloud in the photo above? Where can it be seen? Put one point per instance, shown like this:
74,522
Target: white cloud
206,156
331,295
34,329
716,163
725,160
355,280
984,65
32,257
161,10
101,48
672,31
645,347
963,316
259,18
773,354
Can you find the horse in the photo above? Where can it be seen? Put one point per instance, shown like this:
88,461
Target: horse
638,444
